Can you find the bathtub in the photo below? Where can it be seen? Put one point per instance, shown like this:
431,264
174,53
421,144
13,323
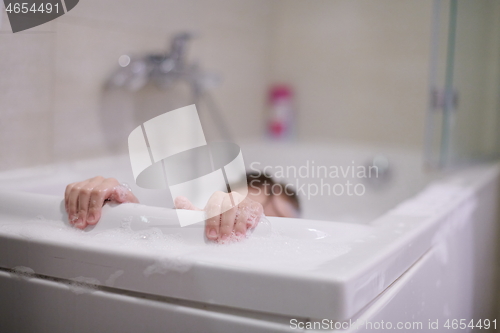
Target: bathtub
410,249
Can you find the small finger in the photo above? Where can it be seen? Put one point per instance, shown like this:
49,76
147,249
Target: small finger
212,215
73,201
97,197
240,226
256,213
66,195
119,193
252,211
228,217
84,201
181,202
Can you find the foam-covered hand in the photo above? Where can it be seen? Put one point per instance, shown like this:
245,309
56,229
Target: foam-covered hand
229,216
84,200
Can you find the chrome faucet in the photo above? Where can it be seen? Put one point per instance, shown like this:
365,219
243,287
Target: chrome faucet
165,69
162,68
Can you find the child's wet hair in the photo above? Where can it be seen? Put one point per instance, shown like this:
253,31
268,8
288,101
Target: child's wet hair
262,179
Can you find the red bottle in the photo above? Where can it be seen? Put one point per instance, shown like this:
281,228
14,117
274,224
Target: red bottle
281,117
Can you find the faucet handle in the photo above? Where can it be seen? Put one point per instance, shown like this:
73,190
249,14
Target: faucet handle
178,44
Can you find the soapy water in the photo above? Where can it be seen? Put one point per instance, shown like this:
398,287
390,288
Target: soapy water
83,285
110,281
23,272
172,252
275,251
79,285
164,265
120,192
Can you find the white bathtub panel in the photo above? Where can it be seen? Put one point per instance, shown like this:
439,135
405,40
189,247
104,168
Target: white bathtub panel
37,305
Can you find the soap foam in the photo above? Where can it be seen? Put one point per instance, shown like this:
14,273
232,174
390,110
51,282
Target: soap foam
23,272
164,265
269,250
120,192
112,278
83,285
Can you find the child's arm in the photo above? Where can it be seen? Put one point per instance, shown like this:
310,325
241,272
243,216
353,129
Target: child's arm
84,200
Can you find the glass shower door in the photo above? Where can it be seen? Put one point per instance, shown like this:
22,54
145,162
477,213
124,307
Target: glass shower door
463,123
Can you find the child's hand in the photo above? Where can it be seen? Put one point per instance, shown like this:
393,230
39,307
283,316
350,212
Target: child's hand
84,200
227,221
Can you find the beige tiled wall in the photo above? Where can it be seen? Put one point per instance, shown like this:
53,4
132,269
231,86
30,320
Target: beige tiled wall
359,68
26,79
53,105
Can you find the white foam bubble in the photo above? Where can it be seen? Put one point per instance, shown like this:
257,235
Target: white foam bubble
127,222
164,265
23,272
110,281
83,285
265,248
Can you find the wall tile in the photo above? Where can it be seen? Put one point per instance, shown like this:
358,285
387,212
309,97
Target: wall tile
26,89
360,68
